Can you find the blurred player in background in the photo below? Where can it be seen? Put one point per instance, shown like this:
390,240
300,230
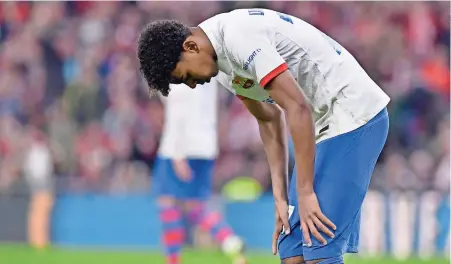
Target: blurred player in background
184,169
283,67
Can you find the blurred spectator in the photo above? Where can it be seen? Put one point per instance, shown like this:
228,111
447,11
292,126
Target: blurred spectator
81,96
38,171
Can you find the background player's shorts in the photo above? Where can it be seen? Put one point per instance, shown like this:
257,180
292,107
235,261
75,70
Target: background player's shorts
166,183
343,168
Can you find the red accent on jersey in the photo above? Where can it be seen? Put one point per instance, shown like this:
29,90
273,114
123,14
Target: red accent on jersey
281,68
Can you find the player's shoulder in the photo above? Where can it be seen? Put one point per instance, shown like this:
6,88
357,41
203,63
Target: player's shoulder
246,19
241,26
235,21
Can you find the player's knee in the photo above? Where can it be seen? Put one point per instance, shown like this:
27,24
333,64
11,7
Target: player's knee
167,201
294,260
334,260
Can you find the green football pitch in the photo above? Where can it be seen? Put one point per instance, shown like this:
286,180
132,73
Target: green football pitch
18,254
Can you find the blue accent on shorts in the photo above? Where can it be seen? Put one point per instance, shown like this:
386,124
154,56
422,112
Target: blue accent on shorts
166,183
343,168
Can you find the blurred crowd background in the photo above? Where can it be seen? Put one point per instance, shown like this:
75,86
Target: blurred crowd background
75,115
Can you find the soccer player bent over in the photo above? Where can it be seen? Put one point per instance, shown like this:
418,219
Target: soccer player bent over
184,168
284,68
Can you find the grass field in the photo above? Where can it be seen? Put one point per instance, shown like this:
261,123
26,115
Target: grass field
18,254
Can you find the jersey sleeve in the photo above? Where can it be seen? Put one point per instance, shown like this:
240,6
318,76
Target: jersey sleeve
254,50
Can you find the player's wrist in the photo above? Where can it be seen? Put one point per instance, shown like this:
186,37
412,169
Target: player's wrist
305,190
280,195
280,198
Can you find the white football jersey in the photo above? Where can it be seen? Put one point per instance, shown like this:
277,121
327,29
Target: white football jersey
255,45
191,122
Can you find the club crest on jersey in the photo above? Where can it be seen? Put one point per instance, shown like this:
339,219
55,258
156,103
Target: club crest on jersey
243,82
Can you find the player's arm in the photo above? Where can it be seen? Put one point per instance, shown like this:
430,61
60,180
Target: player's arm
257,53
271,123
286,92
270,120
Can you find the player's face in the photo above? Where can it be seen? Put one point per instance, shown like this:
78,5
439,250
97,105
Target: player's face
195,67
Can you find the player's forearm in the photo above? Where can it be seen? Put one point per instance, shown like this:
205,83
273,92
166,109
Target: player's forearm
274,139
300,121
271,122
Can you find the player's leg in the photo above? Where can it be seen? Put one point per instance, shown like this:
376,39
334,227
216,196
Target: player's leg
165,184
207,219
294,260
173,229
343,168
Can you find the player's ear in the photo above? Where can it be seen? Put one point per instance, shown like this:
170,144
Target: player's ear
190,46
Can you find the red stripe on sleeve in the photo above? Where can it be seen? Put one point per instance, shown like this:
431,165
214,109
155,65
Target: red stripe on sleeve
271,75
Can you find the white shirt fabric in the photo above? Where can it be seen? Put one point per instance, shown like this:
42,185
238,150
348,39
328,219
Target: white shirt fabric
255,45
191,119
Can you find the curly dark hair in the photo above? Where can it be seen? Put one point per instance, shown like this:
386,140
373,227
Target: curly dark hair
160,48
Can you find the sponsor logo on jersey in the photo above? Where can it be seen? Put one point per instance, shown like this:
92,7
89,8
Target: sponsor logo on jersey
243,82
268,100
251,58
285,17
254,12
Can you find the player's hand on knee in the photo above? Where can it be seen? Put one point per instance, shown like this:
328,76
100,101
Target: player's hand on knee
182,169
313,220
281,223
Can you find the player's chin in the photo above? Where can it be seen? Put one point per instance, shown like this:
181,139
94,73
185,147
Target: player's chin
214,73
208,79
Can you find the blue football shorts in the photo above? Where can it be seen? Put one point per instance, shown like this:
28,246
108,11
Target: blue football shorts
166,183
343,168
